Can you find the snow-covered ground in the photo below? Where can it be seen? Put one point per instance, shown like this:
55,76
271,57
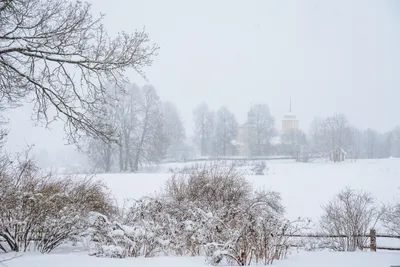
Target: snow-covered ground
301,259
303,187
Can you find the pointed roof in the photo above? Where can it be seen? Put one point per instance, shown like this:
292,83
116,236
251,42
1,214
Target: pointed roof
289,115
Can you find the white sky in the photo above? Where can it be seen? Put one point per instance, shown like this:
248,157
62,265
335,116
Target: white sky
336,56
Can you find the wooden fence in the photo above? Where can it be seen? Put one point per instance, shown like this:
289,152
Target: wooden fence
372,239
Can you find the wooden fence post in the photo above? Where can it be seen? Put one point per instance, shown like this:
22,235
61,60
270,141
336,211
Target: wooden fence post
372,240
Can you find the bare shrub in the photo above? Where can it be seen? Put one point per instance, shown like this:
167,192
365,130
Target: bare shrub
391,218
212,184
41,210
351,214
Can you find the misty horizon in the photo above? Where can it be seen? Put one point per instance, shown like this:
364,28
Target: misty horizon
327,58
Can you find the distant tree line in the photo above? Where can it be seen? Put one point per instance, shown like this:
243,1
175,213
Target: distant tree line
148,131
216,133
326,134
145,129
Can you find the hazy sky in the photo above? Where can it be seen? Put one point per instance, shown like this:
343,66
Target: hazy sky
336,56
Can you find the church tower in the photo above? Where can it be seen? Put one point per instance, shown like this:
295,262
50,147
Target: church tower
290,122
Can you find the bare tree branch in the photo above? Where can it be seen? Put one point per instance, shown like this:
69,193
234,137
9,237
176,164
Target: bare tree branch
57,55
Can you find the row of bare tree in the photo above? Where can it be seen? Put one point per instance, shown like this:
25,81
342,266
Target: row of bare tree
216,133
336,131
146,131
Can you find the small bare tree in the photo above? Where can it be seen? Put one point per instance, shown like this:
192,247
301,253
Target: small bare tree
352,214
57,55
391,218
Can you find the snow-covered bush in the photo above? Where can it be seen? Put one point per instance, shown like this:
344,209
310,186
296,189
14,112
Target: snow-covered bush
109,239
352,214
259,167
256,233
206,210
40,211
213,185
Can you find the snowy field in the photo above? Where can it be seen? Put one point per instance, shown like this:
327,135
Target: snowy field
303,187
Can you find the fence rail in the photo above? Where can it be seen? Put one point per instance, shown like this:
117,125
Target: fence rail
372,237
230,159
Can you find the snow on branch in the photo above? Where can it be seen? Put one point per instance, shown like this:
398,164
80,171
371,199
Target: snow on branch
56,54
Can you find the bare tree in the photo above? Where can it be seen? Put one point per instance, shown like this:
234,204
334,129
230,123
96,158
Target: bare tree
226,132
327,134
101,154
371,144
136,118
395,142
204,128
174,131
391,217
316,135
352,214
127,121
337,131
357,145
262,129
56,54
149,142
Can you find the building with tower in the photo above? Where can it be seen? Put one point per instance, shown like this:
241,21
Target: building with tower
288,142
290,126
290,122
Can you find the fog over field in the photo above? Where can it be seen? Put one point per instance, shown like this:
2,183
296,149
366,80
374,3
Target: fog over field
222,133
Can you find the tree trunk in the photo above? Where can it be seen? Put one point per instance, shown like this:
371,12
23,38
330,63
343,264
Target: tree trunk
121,158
